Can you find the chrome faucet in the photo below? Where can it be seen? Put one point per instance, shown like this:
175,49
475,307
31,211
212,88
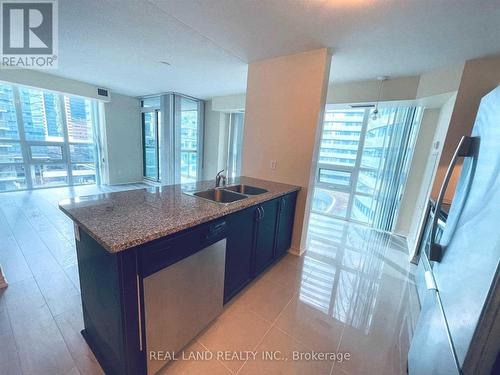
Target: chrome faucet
218,179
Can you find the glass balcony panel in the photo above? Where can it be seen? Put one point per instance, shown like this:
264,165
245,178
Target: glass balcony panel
46,175
83,173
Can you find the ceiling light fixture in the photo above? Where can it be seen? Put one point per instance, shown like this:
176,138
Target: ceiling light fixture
381,80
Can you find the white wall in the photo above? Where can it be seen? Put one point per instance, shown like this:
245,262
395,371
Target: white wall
403,88
423,149
229,103
427,178
446,79
284,106
123,140
215,142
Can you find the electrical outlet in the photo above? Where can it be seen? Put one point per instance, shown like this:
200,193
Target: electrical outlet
273,164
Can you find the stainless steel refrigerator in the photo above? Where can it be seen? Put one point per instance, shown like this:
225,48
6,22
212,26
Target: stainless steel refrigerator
458,329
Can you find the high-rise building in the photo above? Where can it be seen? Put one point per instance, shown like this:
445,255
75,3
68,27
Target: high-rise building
78,119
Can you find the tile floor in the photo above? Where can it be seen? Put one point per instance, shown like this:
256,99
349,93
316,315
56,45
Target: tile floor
352,293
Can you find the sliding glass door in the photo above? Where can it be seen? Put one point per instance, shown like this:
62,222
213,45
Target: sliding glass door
46,139
363,164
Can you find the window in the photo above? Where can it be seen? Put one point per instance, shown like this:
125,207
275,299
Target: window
187,120
41,117
363,163
46,139
172,144
150,145
235,143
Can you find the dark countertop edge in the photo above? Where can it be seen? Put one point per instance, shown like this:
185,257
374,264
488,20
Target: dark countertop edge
225,210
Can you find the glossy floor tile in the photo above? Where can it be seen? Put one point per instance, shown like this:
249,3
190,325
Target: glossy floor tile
350,297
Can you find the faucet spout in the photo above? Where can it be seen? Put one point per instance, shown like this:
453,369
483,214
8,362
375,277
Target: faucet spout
220,177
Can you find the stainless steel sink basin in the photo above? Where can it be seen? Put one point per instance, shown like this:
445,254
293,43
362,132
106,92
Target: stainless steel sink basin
246,189
220,195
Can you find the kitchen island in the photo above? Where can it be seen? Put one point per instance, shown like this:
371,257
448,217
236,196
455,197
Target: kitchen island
157,264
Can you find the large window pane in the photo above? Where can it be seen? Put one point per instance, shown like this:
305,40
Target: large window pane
332,177
10,153
42,153
12,177
8,120
82,153
41,117
150,134
363,163
189,139
45,175
79,119
46,153
340,137
367,181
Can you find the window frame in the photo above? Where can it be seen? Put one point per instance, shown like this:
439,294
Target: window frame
169,130
28,161
156,112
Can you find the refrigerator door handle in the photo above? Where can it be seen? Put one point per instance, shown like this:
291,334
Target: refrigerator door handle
464,149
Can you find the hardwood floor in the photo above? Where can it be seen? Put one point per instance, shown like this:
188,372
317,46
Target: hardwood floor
40,311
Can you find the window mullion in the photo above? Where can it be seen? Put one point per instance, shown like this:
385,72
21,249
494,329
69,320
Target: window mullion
357,165
66,148
22,137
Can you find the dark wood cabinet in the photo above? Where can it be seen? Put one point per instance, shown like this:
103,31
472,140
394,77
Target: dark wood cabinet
256,238
112,284
239,250
265,237
284,227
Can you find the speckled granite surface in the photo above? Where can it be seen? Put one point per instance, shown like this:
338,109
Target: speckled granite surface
121,220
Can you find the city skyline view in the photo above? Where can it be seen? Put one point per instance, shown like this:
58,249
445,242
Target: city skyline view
46,139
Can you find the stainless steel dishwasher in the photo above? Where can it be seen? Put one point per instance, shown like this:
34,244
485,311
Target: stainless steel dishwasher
182,299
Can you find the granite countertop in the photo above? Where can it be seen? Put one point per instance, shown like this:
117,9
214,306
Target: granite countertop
121,220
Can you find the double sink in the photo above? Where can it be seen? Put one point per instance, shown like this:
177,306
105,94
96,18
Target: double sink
228,194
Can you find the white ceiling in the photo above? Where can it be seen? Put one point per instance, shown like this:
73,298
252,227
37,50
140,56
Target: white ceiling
118,43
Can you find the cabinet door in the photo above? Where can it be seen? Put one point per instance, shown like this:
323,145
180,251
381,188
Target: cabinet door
285,224
239,250
266,229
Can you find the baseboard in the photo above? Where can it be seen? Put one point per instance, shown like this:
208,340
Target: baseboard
296,252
